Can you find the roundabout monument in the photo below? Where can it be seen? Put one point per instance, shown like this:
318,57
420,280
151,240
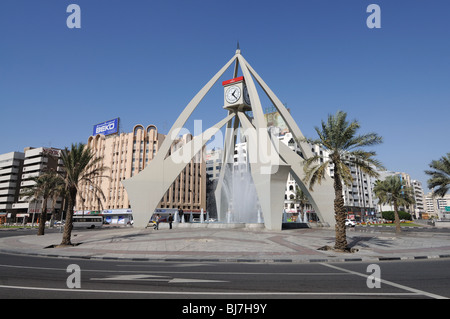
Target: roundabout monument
255,193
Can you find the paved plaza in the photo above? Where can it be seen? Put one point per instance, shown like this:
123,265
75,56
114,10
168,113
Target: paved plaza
232,244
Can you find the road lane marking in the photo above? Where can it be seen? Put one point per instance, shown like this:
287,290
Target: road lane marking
144,277
387,282
412,291
277,293
188,272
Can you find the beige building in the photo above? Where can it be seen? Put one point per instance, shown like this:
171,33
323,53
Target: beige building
125,155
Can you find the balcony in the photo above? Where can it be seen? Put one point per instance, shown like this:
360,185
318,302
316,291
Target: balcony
8,185
6,199
7,192
9,163
34,168
35,160
30,175
9,170
5,206
27,183
20,205
33,152
6,178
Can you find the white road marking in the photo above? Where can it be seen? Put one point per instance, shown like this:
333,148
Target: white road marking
387,282
412,291
188,280
144,277
277,293
189,272
133,277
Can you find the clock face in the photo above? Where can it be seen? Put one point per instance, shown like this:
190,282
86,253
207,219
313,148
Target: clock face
233,94
246,96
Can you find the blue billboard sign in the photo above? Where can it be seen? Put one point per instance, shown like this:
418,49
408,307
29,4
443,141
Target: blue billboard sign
107,128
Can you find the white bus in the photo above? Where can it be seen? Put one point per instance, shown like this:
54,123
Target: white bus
87,221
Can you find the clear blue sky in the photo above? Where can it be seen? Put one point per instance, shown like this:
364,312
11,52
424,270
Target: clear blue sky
144,60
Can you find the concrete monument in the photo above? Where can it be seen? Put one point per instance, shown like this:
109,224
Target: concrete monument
269,160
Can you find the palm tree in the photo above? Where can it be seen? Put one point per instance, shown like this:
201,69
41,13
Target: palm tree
440,175
45,186
339,138
81,168
301,199
393,191
59,191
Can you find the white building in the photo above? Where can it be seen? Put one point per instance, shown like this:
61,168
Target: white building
214,160
419,205
213,163
36,162
358,197
11,165
291,202
437,207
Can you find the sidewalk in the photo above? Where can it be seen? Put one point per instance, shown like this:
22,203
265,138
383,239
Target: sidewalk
231,245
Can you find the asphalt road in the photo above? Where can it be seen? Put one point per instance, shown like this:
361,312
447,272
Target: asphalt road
37,277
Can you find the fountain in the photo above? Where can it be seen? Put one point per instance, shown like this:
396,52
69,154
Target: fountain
240,192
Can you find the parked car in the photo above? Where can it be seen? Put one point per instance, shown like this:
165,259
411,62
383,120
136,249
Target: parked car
350,223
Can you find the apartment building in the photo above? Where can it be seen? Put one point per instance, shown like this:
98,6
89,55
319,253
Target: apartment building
429,206
437,207
11,165
291,204
213,163
417,209
358,197
419,198
125,155
36,162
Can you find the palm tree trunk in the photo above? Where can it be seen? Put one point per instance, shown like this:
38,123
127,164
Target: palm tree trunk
66,240
397,219
340,214
43,218
53,213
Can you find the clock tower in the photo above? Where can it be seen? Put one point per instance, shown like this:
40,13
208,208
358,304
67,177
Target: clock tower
270,161
236,95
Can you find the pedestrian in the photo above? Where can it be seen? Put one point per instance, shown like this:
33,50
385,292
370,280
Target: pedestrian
170,221
180,212
157,221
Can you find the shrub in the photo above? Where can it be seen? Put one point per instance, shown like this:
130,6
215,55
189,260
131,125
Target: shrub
389,215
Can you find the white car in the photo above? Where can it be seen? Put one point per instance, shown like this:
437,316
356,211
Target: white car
350,223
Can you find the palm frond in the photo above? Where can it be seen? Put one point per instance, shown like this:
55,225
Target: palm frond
393,190
439,176
338,136
314,172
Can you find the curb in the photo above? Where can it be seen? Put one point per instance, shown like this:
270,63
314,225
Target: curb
231,260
